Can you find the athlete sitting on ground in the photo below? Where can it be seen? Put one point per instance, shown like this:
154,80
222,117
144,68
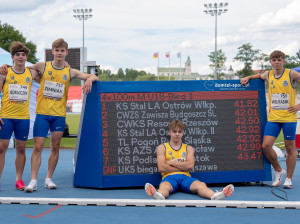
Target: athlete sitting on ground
174,160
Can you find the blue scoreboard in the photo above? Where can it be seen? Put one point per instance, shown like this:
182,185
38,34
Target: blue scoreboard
122,123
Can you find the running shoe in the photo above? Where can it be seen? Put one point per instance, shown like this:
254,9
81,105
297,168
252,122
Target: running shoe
226,192
49,183
153,193
288,184
277,178
20,185
32,186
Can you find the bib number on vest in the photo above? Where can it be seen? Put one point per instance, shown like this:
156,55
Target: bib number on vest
18,92
53,89
280,101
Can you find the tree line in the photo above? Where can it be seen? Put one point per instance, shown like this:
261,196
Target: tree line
127,75
248,55
9,34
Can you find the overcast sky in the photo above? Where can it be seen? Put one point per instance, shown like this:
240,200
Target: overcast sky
126,33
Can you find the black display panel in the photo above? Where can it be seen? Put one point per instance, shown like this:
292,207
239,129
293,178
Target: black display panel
224,128
122,123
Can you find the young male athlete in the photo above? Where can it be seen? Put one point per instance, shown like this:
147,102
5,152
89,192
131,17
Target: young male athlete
174,160
14,112
282,115
51,109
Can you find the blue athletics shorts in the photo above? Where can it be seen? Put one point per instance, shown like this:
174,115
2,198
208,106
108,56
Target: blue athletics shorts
20,127
180,182
274,128
43,123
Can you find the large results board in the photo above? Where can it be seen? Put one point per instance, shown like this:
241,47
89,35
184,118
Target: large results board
223,124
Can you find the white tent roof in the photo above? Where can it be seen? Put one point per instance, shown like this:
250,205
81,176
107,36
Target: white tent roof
5,57
2,51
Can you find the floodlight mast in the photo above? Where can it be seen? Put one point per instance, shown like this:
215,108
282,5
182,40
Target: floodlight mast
216,10
82,14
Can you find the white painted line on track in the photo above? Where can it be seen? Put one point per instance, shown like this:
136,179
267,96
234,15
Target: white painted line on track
151,203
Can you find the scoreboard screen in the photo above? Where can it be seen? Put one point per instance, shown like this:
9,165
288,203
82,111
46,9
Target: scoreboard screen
73,57
224,122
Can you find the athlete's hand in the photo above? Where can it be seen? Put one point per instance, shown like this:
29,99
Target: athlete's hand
294,109
172,162
244,81
31,67
1,122
67,64
3,69
87,87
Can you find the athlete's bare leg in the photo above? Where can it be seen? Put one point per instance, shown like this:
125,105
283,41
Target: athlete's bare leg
36,156
291,157
20,158
3,148
270,153
202,190
54,155
165,188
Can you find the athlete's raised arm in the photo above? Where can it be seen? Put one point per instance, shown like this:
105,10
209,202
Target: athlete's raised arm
40,67
90,78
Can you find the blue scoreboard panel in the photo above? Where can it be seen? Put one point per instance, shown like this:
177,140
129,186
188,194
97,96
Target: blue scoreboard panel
123,122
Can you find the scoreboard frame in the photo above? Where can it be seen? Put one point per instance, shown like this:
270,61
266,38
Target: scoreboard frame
88,159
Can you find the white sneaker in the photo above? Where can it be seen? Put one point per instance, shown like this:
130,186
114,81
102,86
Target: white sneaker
288,184
153,193
226,192
49,183
277,178
32,186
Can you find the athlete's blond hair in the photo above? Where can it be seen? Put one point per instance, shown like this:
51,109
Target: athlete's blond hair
176,125
60,43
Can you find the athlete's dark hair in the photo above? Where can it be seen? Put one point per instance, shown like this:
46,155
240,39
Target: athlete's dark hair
277,54
17,46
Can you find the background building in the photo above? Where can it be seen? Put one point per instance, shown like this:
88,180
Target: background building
184,73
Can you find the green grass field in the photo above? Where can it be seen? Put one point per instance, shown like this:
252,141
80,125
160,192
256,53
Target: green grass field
280,141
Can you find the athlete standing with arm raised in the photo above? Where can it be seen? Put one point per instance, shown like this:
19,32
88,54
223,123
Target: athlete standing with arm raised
51,109
282,115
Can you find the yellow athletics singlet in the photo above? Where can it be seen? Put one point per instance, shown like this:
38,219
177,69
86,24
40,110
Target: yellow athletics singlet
179,155
53,92
282,94
16,95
